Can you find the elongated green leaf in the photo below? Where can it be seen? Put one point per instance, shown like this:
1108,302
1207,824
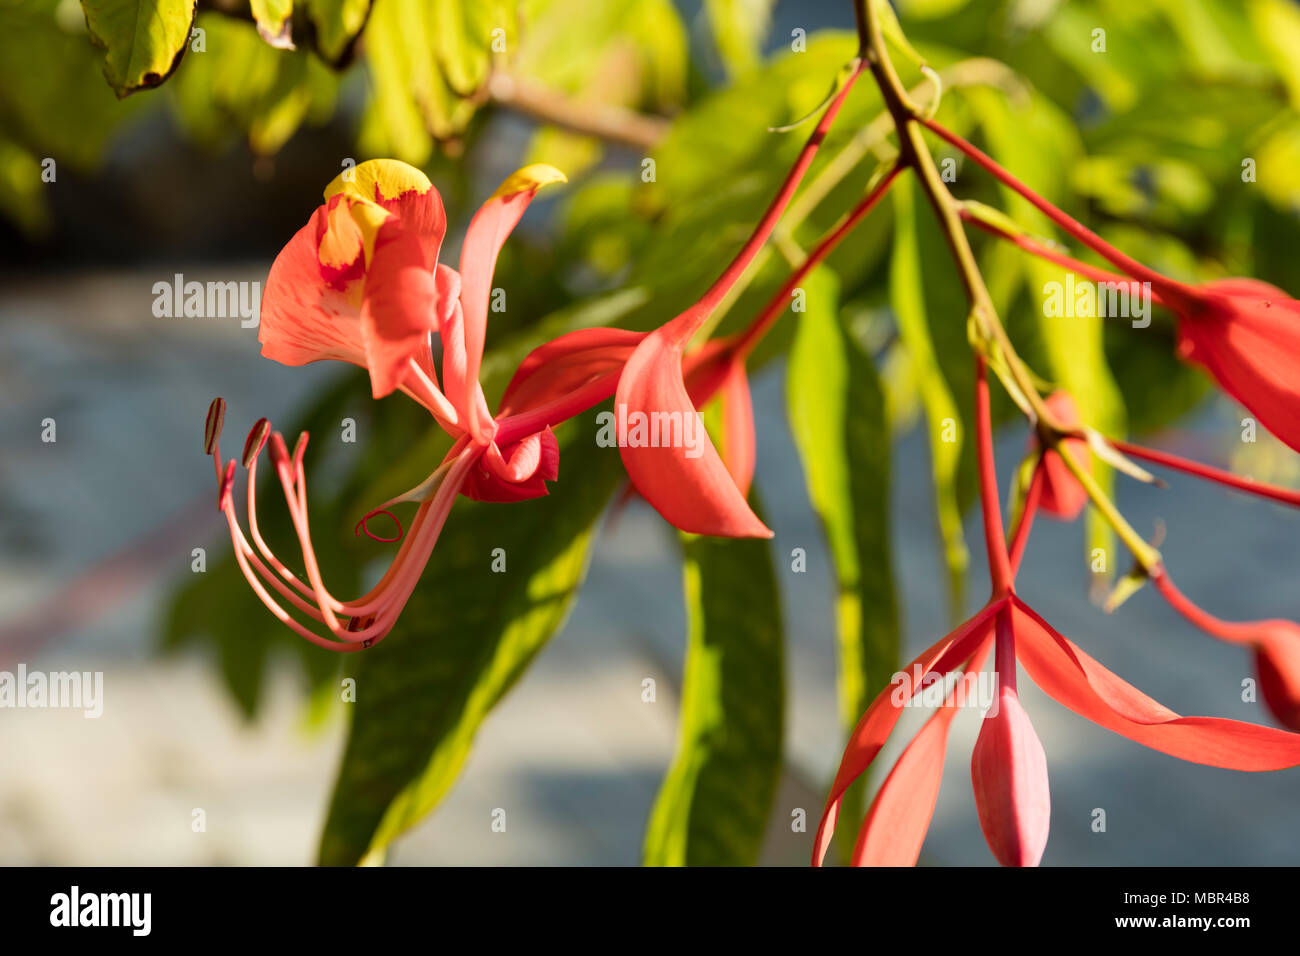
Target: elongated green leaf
713,806
467,635
908,287
145,39
837,416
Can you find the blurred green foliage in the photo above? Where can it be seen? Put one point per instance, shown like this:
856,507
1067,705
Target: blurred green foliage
1174,131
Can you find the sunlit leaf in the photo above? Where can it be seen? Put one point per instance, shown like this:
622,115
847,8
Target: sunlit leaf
838,419
713,805
145,39
467,635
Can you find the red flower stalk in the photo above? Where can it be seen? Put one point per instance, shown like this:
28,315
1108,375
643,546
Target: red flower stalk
1276,646
1244,332
1008,768
693,489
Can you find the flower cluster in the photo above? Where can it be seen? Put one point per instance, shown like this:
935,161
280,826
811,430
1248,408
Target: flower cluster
362,282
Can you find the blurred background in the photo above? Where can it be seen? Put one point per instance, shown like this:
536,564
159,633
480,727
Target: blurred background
1177,139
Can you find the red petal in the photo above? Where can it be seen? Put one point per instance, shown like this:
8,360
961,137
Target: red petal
486,234
517,471
1277,661
1062,495
874,728
1009,773
402,189
900,814
565,377
714,368
303,318
1078,682
680,472
1246,333
400,306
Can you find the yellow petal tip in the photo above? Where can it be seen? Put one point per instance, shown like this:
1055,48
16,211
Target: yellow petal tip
390,177
529,179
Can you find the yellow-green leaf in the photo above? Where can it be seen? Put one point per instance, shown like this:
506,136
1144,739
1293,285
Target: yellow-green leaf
145,39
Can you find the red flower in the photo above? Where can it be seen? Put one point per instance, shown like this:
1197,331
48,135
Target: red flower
361,283
1008,768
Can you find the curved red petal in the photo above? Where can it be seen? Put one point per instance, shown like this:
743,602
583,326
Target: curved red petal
303,318
1246,333
1062,496
1009,775
900,814
1078,682
1277,661
874,727
487,232
565,377
667,451
399,308
516,472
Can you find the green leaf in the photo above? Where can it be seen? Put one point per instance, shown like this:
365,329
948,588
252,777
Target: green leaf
908,287
145,39
337,24
466,34
273,19
713,806
739,27
839,423
67,114
263,93
468,634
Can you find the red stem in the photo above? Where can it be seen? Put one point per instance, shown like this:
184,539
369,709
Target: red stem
1169,289
1034,247
1224,630
688,323
994,536
1020,537
1209,473
776,306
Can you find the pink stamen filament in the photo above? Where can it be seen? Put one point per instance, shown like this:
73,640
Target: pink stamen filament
386,599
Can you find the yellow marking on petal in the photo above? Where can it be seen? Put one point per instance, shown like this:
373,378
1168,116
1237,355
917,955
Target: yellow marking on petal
392,176
530,178
352,227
